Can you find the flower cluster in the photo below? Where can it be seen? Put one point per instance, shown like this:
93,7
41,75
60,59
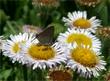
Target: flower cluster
26,49
84,55
77,48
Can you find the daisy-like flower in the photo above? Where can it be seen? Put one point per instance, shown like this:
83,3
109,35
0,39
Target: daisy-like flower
60,74
80,37
79,20
46,3
103,32
92,3
44,56
85,61
12,47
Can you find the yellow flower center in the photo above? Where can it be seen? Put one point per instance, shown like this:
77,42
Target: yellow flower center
85,57
82,23
16,48
41,52
79,39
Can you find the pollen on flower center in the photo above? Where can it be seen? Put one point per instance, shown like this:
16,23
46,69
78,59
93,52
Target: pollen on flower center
79,39
41,52
84,56
15,48
82,23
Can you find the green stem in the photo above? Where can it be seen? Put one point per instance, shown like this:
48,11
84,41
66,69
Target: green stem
25,73
40,75
75,76
89,79
11,27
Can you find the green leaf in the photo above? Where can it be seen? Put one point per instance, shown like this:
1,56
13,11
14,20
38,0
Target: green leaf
5,74
104,15
99,7
3,16
59,28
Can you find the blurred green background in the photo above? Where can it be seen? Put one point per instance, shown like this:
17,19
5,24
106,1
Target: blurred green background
16,13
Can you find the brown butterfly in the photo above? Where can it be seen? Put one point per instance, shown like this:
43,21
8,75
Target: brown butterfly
46,36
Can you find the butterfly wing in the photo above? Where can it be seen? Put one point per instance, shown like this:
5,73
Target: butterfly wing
46,37
31,29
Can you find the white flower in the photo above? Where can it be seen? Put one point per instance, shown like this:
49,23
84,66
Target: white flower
85,61
80,37
12,47
44,56
79,20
